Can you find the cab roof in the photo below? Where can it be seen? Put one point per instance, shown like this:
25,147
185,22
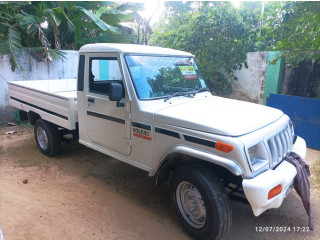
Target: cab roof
130,48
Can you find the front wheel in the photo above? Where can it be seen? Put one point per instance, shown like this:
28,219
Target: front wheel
201,202
47,137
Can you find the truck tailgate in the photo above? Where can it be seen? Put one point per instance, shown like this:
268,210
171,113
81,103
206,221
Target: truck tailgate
54,100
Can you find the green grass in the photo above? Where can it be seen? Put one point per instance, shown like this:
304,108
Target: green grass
17,119
1,123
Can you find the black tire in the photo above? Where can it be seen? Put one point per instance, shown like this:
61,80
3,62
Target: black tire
47,137
213,196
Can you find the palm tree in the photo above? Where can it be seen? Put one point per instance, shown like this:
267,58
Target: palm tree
10,32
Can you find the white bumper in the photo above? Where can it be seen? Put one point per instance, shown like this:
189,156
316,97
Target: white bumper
300,147
257,189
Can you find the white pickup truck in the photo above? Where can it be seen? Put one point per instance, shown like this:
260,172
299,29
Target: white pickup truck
150,107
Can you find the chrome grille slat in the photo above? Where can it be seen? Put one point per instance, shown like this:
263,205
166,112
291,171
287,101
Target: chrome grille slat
280,145
284,145
273,150
287,140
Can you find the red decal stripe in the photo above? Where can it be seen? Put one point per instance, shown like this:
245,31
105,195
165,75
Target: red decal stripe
142,136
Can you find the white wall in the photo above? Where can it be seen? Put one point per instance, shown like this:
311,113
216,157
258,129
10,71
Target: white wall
251,81
34,70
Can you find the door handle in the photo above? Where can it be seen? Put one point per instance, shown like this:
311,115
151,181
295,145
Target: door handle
91,100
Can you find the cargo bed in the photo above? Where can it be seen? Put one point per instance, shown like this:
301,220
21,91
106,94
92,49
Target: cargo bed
54,100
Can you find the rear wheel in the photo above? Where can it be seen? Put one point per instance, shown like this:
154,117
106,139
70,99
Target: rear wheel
47,137
201,202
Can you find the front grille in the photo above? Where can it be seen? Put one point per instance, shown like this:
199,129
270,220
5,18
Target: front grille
279,146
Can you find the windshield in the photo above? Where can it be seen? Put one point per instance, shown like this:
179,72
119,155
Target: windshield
160,77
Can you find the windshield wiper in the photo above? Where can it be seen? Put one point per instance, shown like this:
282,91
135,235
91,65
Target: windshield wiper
200,90
178,94
187,94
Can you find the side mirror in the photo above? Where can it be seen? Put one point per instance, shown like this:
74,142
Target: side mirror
115,92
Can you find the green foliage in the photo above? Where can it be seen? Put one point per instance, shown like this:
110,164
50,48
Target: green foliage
37,52
294,29
213,31
290,27
14,45
46,27
220,84
16,116
10,37
256,15
167,76
221,35
169,80
17,120
101,24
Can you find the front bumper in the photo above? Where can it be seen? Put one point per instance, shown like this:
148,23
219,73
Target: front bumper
257,189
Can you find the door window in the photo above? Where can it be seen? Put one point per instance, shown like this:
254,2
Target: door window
102,72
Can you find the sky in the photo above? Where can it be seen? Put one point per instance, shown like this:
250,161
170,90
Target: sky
154,8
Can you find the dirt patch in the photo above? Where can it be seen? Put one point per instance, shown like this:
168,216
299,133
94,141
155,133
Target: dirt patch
315,170
82,194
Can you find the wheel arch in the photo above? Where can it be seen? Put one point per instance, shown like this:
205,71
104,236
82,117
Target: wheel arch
180,155
33,117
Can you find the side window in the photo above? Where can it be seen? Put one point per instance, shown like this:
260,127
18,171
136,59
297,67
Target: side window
102,72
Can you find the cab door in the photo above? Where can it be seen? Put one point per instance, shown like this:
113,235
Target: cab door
106,123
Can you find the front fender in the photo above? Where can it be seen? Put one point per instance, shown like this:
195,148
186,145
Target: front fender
229,164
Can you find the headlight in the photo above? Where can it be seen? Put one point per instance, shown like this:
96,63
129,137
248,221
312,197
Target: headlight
258,156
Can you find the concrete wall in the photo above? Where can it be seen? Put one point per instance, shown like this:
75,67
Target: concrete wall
251,81
34,70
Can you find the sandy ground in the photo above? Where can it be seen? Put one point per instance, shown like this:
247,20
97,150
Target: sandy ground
82,194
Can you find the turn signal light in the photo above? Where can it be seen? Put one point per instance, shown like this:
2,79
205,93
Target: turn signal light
275,191
224,147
